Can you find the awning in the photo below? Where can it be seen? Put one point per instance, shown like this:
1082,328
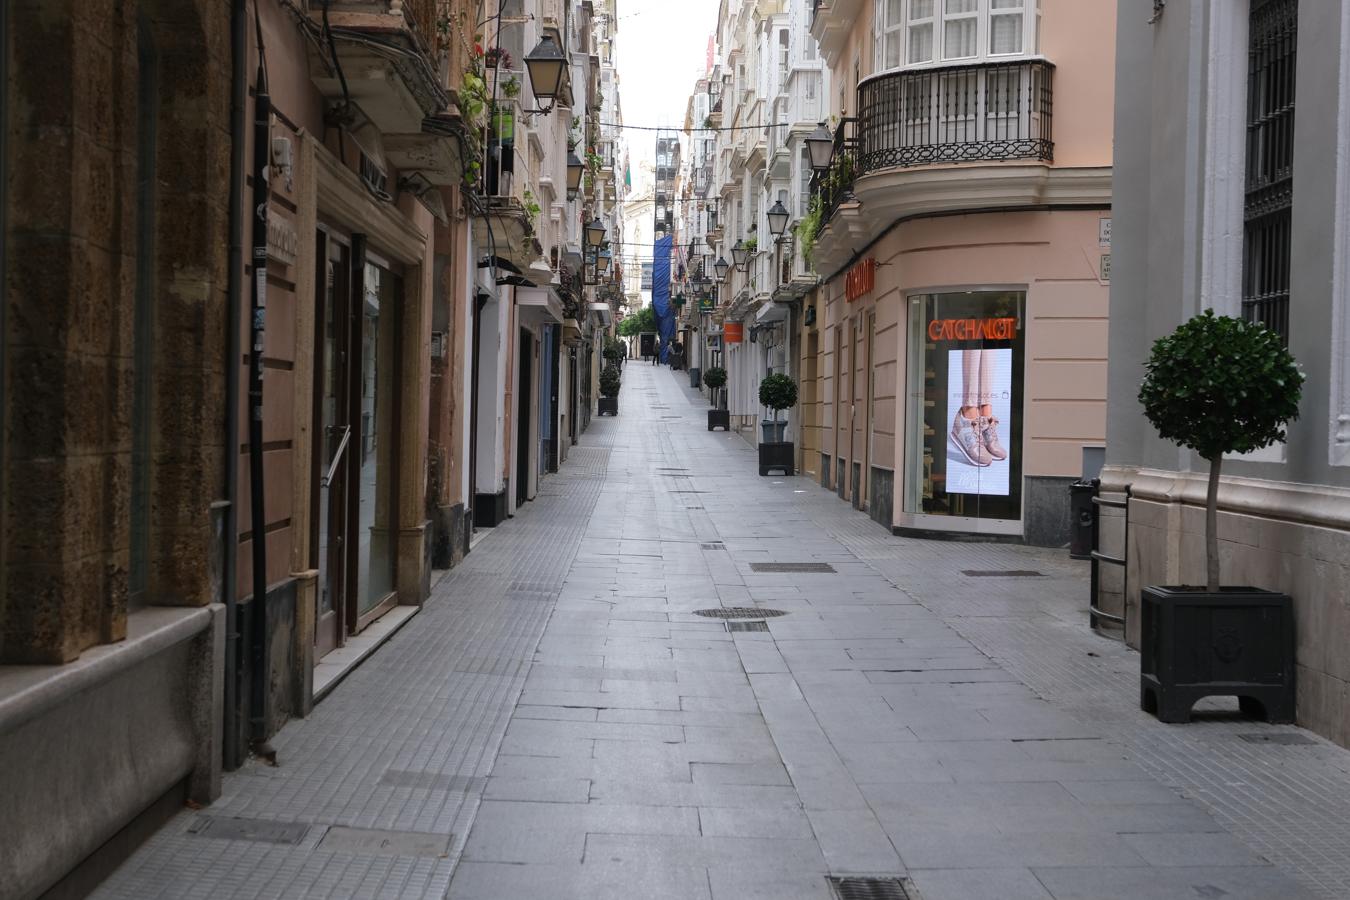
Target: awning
771,312
602,312
539,304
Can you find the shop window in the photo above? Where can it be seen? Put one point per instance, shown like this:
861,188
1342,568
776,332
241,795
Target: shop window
965,412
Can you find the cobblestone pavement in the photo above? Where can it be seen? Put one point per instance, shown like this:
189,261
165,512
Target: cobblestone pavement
558,722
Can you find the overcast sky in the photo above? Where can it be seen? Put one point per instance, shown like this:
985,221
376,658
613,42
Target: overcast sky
661,51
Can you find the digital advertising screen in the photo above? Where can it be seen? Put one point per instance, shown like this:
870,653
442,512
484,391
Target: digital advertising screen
979,412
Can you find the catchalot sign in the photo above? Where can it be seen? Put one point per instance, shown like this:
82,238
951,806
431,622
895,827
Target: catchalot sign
1004,329
861,279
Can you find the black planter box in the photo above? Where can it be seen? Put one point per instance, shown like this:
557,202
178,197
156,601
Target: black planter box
608,405
1238,642
776,456
719,418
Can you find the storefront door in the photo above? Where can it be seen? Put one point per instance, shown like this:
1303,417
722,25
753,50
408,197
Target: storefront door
356,411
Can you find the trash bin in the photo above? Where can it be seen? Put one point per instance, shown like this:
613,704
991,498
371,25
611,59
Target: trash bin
1082,515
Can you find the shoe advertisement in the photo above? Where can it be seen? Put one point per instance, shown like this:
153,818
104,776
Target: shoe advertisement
979,408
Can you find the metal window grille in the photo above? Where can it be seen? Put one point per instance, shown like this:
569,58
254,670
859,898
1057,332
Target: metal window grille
1268,237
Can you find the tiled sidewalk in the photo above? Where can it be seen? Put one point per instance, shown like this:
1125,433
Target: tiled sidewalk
899,719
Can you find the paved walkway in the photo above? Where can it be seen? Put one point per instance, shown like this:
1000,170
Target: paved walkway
557,723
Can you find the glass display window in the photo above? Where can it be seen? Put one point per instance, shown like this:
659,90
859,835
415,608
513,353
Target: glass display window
964,416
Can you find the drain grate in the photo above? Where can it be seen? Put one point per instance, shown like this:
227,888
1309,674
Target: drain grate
685,492
739,612
756,625
800,567
262,831
712,545
870,888
1285,738
1002,573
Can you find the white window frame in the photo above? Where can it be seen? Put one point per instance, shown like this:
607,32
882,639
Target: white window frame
984,14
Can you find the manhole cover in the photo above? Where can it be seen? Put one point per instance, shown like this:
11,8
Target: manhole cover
264,831
756,625
385,843
804,568
869,888
739,612
1001,573
1286,738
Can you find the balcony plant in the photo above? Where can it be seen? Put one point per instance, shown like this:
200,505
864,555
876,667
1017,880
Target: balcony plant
1218,385
751,244
511,87
716,379
610,382
807,228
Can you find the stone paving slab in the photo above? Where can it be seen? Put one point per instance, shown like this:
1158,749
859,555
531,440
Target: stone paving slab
968,733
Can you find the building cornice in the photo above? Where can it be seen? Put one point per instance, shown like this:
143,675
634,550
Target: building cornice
1324,506
888,198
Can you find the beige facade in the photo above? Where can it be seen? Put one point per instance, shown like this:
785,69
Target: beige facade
998,209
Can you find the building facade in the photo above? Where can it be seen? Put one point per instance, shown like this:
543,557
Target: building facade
1239,205
304,300
954,366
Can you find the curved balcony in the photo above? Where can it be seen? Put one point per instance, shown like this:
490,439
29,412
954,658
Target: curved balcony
945,139
989,112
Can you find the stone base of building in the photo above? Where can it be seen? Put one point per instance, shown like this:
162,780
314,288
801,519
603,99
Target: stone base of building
451,530
1046,520
881,497
489,510
1279,536
88,748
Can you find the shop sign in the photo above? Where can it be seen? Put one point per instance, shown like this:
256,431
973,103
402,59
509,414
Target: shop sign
733,332
1004,329
1106,267
706,304
860,279
283,243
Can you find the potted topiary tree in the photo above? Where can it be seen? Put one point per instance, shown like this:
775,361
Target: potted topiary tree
615,351
716,378
610,382
1218,385
777,392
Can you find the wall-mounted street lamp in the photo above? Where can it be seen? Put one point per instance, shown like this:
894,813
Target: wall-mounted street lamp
604,260
778,219
820,147
739,254
595,232
575,169
721,267
547,67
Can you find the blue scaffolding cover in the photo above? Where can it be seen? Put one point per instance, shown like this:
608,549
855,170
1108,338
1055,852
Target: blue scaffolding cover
665,315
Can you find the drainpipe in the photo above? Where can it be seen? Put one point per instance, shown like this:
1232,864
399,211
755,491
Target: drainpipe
262,148
238,100
480,299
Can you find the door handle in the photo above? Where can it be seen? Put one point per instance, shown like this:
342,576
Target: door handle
337,456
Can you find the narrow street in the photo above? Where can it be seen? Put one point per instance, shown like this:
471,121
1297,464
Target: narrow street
557,722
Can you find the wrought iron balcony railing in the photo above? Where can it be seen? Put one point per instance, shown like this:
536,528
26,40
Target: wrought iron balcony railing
971,113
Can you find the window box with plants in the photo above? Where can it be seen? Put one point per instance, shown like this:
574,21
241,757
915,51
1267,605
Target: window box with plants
777,392
1218,385
718,417
610,382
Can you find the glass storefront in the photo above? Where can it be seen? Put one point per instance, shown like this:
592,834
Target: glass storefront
964,416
